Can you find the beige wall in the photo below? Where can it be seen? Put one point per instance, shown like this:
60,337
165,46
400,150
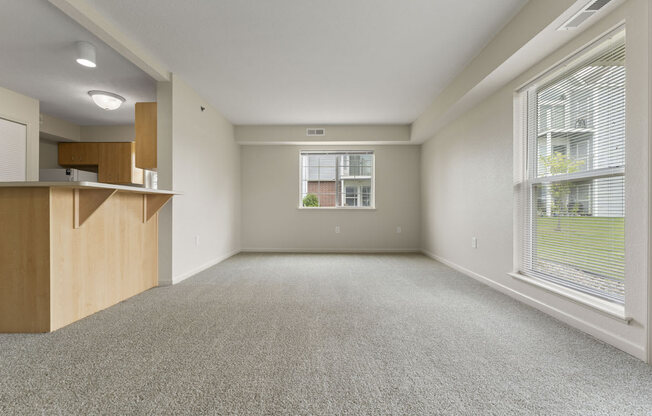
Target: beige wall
649,119
295,134
48,155
56,129
164,169
25,110
272,220
126,133
206,169
467,191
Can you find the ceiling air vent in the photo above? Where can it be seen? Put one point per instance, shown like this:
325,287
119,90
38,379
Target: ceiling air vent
580,17
316,132
597,5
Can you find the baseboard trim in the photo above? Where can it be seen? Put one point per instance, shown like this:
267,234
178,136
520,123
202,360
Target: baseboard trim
332,250
595,331
184,276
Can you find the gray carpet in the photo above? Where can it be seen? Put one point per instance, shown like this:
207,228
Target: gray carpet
321,334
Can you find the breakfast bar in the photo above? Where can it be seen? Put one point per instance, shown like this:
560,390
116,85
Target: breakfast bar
70,249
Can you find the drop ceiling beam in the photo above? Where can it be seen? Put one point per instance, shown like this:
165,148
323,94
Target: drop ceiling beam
88,17
511,51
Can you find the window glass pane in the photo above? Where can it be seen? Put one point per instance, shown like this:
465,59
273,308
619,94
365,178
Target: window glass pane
354,163
366,195
581,116
366,165
351,199
577,245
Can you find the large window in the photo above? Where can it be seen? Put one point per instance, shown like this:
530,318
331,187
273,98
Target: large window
571,187
337,179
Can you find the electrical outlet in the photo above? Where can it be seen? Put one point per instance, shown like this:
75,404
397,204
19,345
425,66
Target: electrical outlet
474,242
398,230
337,229
196,241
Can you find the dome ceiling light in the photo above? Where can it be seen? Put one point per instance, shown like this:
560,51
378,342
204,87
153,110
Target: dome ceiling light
106,100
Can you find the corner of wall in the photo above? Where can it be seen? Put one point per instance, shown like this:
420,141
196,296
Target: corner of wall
200,159
164,169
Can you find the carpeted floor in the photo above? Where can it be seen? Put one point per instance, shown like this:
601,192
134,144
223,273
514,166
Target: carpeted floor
267,334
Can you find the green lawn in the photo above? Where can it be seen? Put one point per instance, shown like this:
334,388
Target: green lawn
582,242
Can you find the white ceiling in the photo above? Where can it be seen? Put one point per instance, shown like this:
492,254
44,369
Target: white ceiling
313,61
37,58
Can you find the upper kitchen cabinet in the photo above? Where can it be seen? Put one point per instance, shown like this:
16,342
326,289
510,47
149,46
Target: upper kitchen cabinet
146,135
117,164
114,162
79,154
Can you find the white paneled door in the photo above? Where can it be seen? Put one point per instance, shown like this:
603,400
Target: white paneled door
13,151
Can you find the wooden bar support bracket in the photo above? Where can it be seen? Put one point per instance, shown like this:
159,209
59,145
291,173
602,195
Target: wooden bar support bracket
152,203
86,202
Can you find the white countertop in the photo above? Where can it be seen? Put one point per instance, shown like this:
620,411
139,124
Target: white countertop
86,185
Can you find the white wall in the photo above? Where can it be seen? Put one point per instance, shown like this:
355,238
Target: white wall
206,169
25,110
467,191
272,220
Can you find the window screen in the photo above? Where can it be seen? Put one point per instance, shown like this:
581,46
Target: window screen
572,190
337,179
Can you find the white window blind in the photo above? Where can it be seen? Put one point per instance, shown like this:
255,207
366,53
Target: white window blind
337,179
13,151
571,192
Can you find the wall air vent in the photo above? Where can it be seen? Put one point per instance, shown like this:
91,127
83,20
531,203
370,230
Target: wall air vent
583,15
316,131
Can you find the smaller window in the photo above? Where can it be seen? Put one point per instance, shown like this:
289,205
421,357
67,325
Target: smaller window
351,196
337,179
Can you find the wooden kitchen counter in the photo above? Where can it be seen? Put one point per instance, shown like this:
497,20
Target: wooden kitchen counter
70,249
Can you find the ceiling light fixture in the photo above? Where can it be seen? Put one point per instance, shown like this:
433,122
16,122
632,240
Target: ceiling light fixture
106,100
86,54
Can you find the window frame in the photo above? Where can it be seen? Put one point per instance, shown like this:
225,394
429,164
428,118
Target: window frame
523,124
359,207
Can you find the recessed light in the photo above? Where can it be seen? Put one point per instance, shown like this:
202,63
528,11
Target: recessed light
106,100
86,54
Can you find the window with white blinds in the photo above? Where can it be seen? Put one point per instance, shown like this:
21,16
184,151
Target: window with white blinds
571,187
337,179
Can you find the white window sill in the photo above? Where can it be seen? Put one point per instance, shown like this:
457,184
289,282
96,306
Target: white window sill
337,208
611,309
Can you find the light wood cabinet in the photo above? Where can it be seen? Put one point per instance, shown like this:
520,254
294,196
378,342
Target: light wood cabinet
117,164
114,162
70,250
146,135
79,154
